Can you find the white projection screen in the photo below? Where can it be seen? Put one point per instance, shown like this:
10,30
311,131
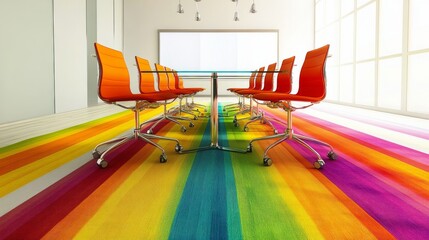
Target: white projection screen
217,50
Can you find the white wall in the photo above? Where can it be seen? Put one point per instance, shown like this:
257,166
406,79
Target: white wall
35,82
44,54
70,55
26,59
142,20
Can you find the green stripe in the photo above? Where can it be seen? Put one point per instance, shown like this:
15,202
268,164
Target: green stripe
263,212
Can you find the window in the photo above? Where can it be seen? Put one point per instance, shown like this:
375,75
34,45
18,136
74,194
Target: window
379,67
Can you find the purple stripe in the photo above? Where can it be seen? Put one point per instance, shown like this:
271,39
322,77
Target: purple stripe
402,213
394,210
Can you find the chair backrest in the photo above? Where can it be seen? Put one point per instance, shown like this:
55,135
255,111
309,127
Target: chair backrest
171,79
147,80
252,80
284,77
177,80
269,77
114,79
258,79
312,76
162,77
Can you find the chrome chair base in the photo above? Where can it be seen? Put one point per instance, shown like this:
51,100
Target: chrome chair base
290,135
100,155
169,116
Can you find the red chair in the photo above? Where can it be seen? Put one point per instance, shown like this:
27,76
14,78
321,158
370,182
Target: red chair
311,90
114,88
257,86
268,87
284,85
241,105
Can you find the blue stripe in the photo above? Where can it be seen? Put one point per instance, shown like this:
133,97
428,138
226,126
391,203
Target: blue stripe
208,208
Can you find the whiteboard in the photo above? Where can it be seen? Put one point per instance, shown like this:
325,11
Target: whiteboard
217,49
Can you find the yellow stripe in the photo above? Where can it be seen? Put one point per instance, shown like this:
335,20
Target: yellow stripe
147,199
25,174
41,140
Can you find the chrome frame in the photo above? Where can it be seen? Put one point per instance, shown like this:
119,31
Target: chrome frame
137,134
290,135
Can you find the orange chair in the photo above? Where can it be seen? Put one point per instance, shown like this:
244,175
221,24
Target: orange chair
180,85
257,86
284,85
147,85
268,85
164,86
241,105
114,88
311,90
174,84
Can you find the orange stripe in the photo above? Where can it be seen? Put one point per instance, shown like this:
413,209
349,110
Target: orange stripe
25,157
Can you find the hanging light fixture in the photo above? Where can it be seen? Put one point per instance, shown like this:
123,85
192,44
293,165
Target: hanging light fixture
236,17
180,8
197,14
253,7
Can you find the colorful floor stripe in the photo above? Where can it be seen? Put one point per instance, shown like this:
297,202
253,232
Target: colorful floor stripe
376,189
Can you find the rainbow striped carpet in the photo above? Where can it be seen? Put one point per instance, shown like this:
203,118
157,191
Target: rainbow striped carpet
50,188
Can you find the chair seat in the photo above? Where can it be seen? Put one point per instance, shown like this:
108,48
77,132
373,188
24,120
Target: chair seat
150,97
181,91
278,97
237,89
250,92
194,89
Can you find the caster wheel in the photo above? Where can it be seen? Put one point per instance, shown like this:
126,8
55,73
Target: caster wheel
183,129
332,155
275,131
268,162
96,155
178,148
235,124
245,129
102,163
191,125
195,118
319,164
162,158
249,148
149,131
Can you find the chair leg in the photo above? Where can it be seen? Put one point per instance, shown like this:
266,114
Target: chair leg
263,119
100,156
245,110
169,117
290,135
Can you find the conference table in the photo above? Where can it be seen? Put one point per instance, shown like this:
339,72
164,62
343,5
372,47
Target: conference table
214,115
214,75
